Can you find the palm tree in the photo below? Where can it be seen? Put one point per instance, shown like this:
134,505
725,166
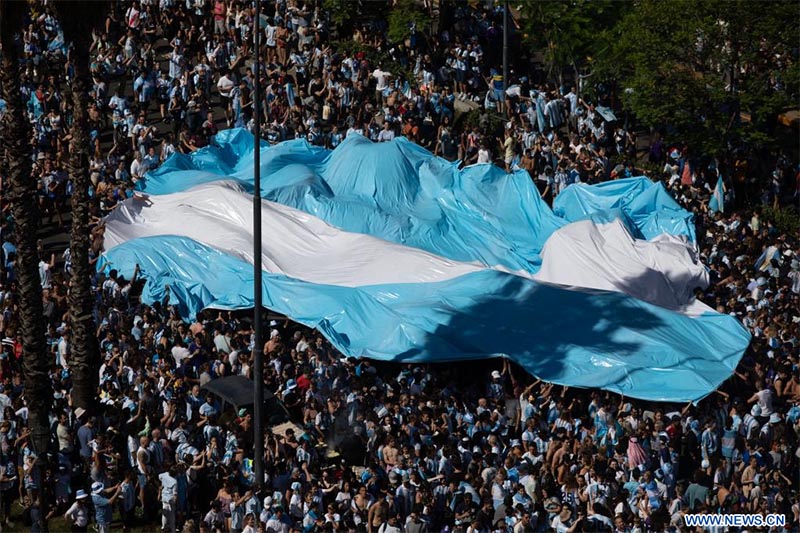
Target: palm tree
85,358
21,193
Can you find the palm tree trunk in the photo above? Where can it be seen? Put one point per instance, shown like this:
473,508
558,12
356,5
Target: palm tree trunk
85,350
21,189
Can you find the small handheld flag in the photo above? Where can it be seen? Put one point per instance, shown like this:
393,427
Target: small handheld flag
717,201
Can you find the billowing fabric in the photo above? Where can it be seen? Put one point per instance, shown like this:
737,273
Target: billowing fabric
646,207
400,192
604,256
397,255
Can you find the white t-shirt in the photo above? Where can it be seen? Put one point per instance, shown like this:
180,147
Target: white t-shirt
382,78
271,31
222,344
765,402
224,86
79,515
179,353
169,487
63,353
44,275
385,135
794,275
137,169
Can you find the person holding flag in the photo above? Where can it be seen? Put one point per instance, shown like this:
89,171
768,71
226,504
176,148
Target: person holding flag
717,200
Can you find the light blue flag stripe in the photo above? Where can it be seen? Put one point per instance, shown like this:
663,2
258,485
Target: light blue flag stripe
400,192
582,338
717,200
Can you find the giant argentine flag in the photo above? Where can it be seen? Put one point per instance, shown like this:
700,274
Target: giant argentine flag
395,254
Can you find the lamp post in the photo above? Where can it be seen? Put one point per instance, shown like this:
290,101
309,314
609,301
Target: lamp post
258,356
505,47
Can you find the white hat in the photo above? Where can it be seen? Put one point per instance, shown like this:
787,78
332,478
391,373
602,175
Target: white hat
756,410
79,412
774,418
81,494
267,502
495,374
97,487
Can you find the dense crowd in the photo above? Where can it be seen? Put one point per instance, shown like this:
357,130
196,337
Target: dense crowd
378,448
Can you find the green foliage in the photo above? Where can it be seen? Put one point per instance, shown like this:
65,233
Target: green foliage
689,67
403,14
493,122
787,220
374,57
569,32
342,11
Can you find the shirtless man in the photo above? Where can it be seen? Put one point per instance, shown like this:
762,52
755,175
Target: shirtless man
390,454
378,515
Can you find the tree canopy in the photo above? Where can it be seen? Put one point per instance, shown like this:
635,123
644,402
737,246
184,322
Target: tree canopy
403,15
569,32
705,72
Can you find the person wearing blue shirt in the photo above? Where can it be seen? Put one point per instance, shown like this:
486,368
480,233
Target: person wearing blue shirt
209,408
103,506
85,435
709,441
169,497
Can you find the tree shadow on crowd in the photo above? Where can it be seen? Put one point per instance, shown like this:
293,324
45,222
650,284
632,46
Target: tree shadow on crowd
553,333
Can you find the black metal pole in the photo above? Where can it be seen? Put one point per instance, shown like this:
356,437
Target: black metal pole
258,356
2,232
505,48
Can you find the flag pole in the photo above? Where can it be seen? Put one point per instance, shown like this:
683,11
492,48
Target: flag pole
258,363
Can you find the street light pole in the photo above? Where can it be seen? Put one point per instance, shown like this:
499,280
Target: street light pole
258,363
505,46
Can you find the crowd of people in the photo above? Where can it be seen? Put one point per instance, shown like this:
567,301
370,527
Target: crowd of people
378,448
